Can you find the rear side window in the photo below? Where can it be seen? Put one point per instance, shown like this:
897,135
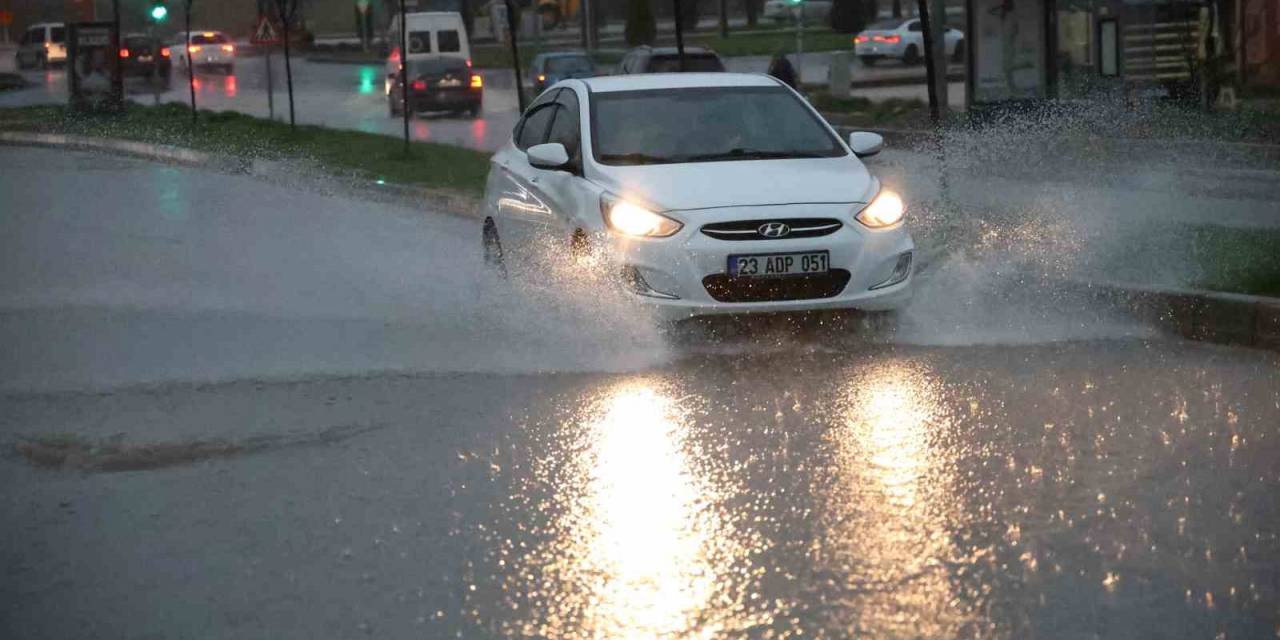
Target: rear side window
448,41
59,34
419,42
915,26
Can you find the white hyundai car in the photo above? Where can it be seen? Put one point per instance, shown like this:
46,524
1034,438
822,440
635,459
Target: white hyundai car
902,39
699,193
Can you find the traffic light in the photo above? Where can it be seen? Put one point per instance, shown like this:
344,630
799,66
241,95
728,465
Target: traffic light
159,11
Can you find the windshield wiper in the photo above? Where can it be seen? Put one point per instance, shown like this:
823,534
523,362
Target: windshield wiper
633,158
740,153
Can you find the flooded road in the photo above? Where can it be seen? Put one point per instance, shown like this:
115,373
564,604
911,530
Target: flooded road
239,408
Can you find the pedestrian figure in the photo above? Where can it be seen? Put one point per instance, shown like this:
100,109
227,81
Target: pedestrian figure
780,68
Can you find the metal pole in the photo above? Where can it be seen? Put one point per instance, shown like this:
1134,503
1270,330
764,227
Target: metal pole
271,88
404,74
285,18
191,66
679,34
117,70
799,43
929,70
513,33
589,24
724,18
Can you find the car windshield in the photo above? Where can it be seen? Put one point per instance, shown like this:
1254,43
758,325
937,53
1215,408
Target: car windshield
208,38
436,66
698,62
58,34
706,124
569,64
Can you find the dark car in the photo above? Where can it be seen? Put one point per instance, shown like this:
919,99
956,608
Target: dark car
552,67
142,56
438,84
647,59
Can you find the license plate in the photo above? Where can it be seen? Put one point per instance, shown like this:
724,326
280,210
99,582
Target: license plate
450,83
780,264
144,58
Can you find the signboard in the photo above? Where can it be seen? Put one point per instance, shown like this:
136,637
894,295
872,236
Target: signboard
93,67
265,32
1009,50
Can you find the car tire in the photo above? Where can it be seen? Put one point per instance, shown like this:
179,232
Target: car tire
42,61
867,61
491,245
474,111
911,56
393,106
229,69
958,55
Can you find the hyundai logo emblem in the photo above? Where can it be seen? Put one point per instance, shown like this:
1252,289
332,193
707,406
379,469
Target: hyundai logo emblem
774,230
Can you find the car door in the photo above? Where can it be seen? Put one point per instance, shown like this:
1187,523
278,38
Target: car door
515,197
566,192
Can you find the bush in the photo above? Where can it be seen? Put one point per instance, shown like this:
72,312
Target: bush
641,28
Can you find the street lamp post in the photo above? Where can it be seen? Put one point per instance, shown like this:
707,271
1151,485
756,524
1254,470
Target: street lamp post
679,34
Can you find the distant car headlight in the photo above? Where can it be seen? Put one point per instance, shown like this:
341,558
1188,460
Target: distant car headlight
885,210
634,220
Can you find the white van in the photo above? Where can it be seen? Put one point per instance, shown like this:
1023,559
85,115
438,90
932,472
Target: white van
431,34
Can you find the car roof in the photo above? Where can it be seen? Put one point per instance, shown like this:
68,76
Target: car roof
646,81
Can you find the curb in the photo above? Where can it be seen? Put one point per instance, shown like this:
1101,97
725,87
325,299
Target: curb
445,202
1205,316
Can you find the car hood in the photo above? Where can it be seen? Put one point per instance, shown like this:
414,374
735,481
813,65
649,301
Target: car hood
737,183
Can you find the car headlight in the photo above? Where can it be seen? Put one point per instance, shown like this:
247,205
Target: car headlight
634,220
885,210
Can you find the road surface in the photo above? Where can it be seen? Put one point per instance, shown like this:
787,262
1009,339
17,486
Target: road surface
234,408
349,96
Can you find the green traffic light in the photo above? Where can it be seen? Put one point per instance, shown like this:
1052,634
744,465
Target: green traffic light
159,13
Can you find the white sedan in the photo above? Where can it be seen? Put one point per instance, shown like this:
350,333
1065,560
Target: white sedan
902,39
698,193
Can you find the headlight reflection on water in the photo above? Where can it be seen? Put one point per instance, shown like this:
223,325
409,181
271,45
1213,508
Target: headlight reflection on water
641,549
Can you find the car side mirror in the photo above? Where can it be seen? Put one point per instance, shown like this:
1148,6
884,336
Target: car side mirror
865,143
551,155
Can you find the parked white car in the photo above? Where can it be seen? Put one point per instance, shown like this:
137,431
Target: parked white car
902,39
209,50
785,10
42,45
698,193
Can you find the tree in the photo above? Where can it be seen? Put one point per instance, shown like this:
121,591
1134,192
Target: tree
753,12
689,15
641,27
848,16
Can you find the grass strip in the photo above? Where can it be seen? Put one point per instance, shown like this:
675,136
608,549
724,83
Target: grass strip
351,153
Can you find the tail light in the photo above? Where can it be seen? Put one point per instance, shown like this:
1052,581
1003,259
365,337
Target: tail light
476,81
419,85
195,48
468,63
542,77
888,39
228,48
164,53
861,39
395,55
124,53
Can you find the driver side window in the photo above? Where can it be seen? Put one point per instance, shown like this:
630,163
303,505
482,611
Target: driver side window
567,127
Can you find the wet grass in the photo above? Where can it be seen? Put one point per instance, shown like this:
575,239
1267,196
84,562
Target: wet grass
349,153
1237,260
898,112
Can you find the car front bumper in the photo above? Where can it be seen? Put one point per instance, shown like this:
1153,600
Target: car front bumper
676,270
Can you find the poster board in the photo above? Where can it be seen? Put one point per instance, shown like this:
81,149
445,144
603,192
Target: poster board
1008,45
93,67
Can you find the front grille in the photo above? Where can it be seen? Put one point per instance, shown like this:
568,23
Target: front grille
726,288
750,229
